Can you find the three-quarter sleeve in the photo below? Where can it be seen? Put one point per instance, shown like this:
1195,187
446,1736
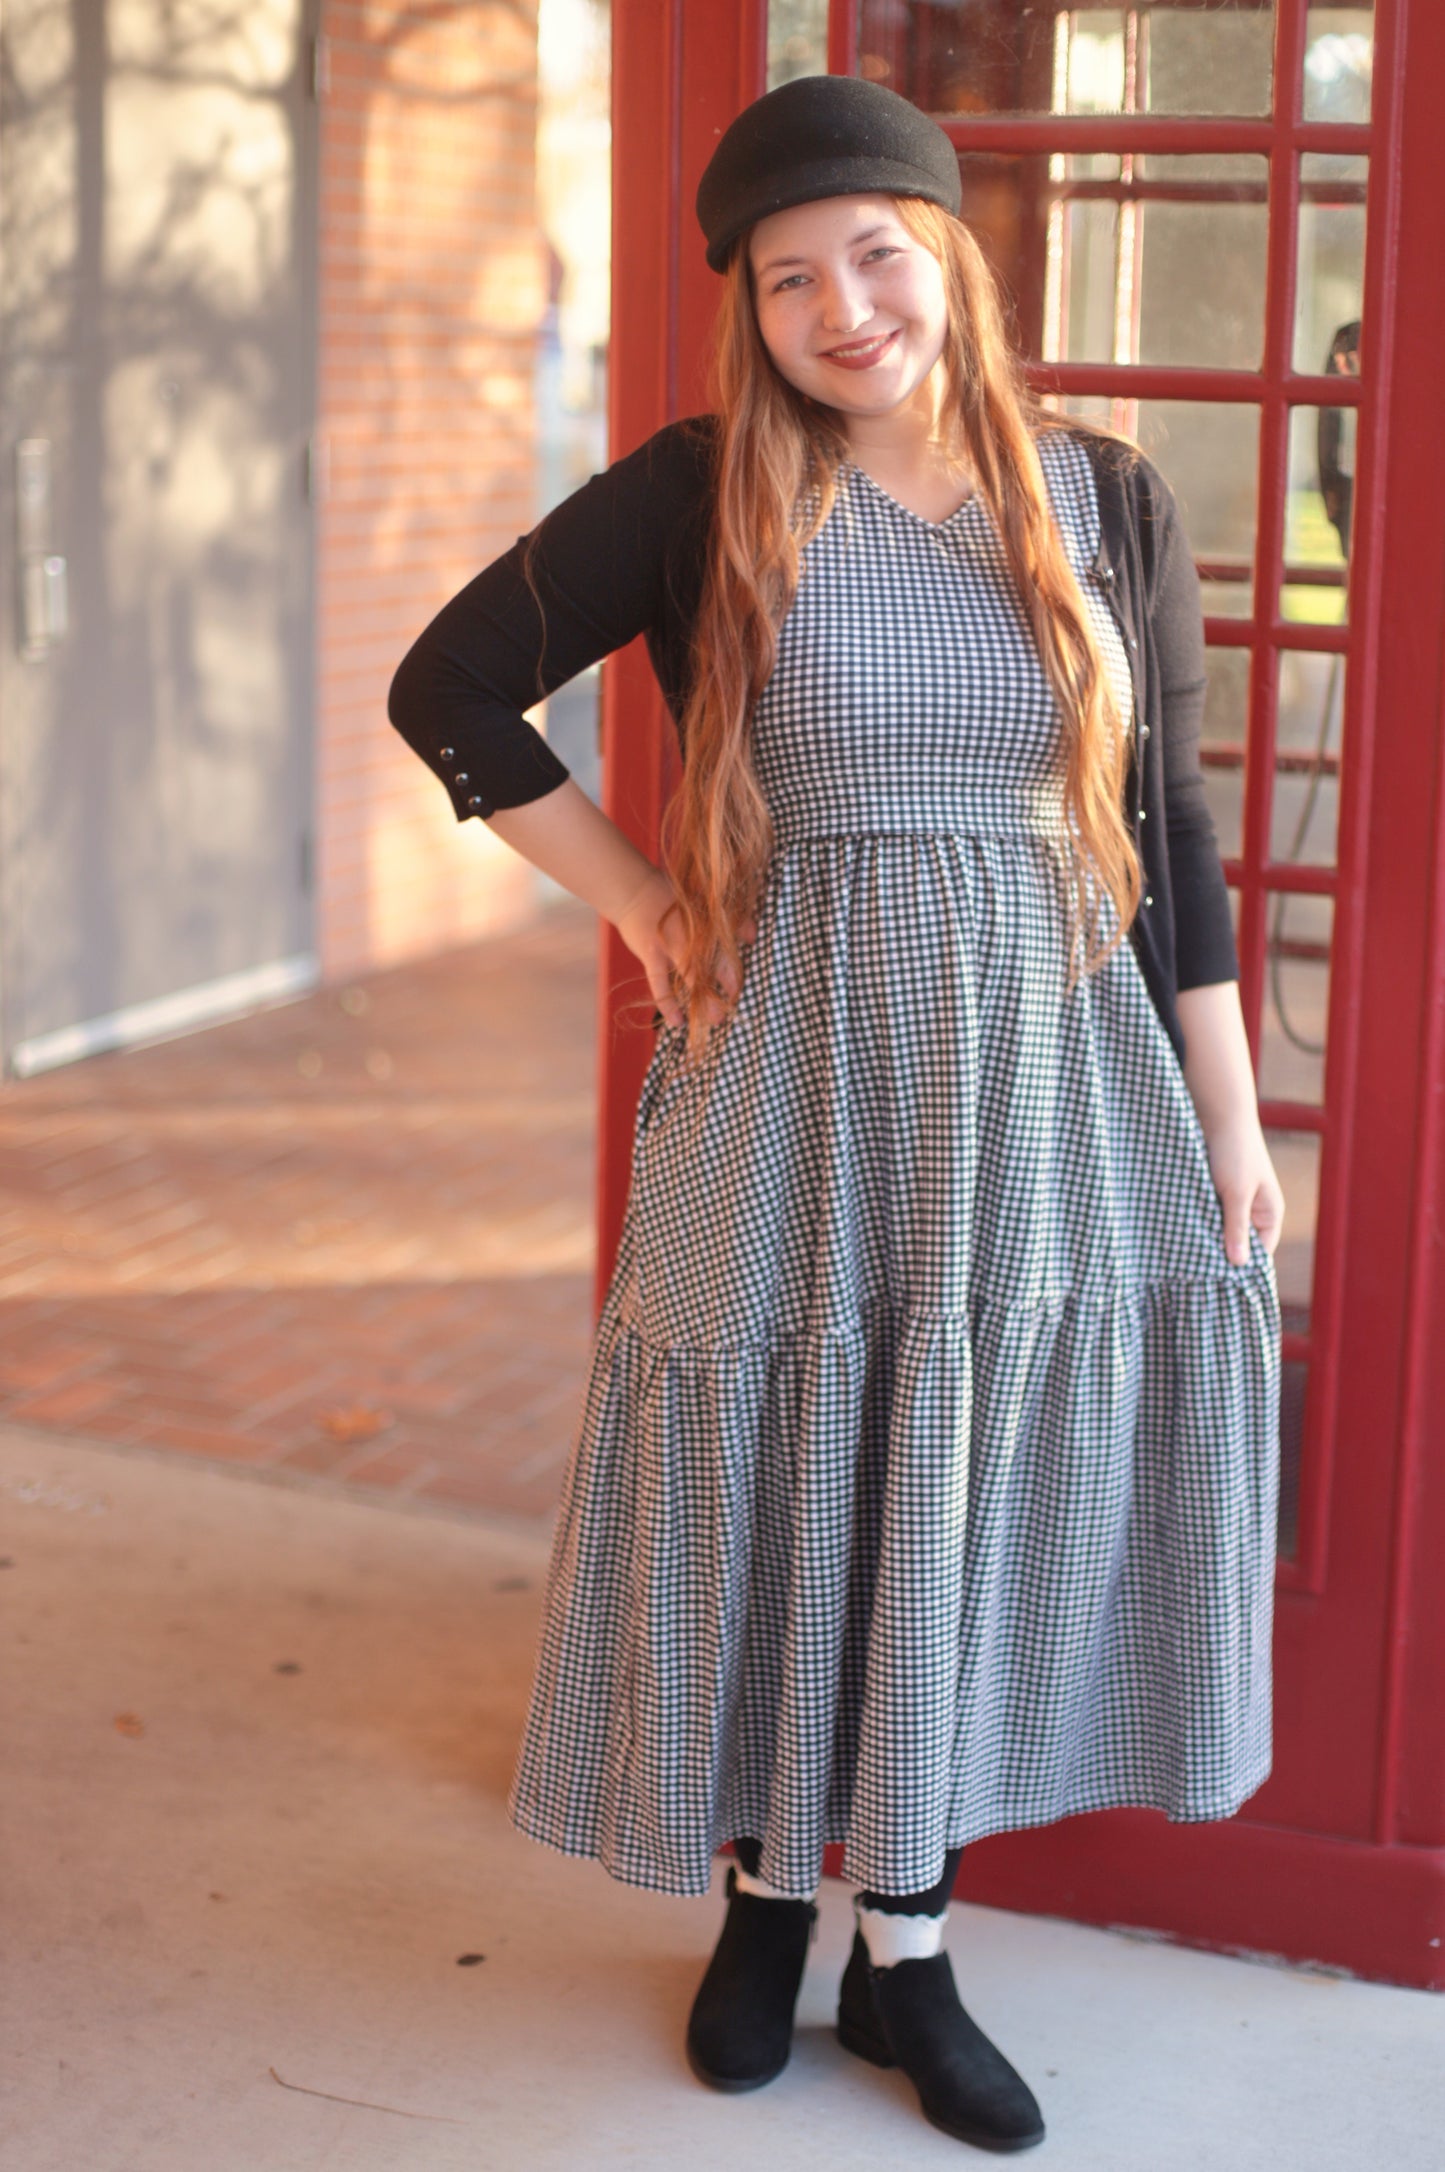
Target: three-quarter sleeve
1204,946
498,647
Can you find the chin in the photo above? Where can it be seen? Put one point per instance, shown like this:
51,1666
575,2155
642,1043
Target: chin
879,402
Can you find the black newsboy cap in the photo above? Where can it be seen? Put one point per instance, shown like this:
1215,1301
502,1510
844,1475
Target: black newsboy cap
821,135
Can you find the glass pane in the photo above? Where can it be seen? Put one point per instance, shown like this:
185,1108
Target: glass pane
1089,60
1229,592
958,56
1009,205
1088,304
1339,58
1209,452
1207,60
1304,818
797,39
1317,513
1163,268
1296,997
1086,165
1296,1158
1330,294
1222,742
1246,168
1201,253
1293,1385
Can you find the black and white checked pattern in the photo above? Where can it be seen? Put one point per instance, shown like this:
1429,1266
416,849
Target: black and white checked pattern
925,1483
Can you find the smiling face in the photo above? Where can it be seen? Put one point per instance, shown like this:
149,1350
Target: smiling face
850,305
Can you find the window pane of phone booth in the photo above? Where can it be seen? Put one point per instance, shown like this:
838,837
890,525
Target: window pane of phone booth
1329,296
1164,267
1032,56
1296,1158
1295,1018
1209,451
1085,318
1222,743
1200,244
1228,596
1006,204
1207,59
1317,514
1338,63
797,39
1293,1383
1228,591
1304,818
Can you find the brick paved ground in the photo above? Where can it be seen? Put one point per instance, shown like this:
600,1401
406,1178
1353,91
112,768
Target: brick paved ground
351,1236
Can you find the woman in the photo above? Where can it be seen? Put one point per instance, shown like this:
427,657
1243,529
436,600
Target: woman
925,1483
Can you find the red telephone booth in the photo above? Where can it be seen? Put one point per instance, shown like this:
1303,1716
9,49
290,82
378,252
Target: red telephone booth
1220,223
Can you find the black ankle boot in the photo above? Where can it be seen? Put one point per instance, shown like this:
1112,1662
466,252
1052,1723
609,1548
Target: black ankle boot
740,2030
910,2016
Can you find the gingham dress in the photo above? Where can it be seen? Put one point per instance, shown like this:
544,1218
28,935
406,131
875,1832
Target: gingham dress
925,1481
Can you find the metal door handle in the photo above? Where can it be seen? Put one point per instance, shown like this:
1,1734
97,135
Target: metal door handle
44,605
44,599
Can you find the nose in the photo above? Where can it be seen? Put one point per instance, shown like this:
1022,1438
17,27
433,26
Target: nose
844,305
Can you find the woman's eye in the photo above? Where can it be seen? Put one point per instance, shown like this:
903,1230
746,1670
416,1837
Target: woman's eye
883,248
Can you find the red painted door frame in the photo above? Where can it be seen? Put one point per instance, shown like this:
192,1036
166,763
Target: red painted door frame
1340,1857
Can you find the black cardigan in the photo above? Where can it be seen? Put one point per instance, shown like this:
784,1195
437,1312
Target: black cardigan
624,555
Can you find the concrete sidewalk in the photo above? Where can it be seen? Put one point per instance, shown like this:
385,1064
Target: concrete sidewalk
266,1912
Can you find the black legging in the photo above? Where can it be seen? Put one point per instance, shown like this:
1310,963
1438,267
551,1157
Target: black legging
931,1903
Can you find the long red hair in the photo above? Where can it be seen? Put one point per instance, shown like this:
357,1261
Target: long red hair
775,448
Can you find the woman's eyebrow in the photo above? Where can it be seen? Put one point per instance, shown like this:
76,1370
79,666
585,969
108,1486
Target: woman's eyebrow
775,263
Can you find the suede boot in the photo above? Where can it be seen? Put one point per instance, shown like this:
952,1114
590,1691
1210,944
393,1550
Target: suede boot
740,2030
910,2016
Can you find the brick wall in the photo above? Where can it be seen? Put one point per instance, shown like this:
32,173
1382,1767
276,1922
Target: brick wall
432,287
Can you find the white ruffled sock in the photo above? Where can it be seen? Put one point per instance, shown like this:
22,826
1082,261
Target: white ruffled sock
764,1891
892,1938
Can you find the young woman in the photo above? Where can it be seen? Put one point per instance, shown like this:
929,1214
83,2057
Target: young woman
925,1484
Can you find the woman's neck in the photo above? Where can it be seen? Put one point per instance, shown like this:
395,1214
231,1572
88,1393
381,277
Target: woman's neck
903,451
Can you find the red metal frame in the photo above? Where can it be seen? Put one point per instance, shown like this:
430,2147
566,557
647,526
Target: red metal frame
1340,1858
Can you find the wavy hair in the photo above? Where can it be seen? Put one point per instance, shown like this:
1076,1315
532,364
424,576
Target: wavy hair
777,455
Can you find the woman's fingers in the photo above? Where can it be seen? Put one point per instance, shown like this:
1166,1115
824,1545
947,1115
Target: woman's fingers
1236,1228
659,963
658,967
1267,1214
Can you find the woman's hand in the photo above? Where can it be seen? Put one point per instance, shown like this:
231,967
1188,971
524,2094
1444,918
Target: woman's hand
1249,1191
651,926
1220,1078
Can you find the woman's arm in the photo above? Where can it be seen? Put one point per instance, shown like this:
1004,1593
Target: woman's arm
599,564
600,568
1220,1078
572,840
1217,1066
1204,949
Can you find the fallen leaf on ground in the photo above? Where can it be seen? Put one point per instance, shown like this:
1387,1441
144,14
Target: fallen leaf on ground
353,1421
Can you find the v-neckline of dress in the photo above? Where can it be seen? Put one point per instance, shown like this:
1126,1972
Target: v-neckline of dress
934,527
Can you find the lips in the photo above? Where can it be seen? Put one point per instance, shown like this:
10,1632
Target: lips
862,357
